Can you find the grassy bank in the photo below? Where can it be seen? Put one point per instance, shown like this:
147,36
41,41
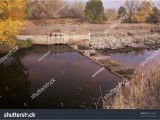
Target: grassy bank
20,43
142,92
23,43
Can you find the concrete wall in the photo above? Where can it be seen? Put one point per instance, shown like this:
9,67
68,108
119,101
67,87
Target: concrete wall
55,38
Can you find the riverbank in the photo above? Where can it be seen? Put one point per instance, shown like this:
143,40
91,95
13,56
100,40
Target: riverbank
21,44
106,61
103,36
118,41
131,93
141,86
142,92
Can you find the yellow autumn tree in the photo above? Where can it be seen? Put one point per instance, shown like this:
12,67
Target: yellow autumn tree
143,12
11,16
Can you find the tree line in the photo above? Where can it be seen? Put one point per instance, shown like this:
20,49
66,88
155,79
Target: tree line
140,11
12,13
137,11
51,9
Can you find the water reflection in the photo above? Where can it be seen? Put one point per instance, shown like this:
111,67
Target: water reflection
131,59
74,87
14,84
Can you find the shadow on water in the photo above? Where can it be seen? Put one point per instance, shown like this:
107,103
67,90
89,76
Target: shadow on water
14,84
22,75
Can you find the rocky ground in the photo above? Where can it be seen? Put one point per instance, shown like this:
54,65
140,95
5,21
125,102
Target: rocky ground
119,39
109,35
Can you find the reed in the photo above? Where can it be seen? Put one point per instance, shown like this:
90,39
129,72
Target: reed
142,91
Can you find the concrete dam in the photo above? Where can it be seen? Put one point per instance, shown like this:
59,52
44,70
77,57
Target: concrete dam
56,38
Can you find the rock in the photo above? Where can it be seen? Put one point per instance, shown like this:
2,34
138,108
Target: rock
134,45
89,52
136,41
103,58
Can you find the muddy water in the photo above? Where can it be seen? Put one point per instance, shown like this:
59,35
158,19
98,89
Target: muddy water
74,88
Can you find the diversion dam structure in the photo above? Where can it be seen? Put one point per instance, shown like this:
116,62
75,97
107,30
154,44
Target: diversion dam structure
67,39
56,38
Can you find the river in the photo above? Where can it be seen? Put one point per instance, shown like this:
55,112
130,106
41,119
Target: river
133,59
74,88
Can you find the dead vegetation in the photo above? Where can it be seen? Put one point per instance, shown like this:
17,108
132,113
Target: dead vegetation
67,25
141,92
53,9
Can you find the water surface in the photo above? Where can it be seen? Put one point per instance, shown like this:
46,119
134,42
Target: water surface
74,88
133,59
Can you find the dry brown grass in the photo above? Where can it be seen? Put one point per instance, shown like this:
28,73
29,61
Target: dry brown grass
67,25
142,92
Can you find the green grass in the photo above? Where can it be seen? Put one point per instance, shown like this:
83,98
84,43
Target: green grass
23,43
4,48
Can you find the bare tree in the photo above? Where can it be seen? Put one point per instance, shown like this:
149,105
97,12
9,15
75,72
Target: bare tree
76,10
132,7
111,14
158,4
43,9
155,4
